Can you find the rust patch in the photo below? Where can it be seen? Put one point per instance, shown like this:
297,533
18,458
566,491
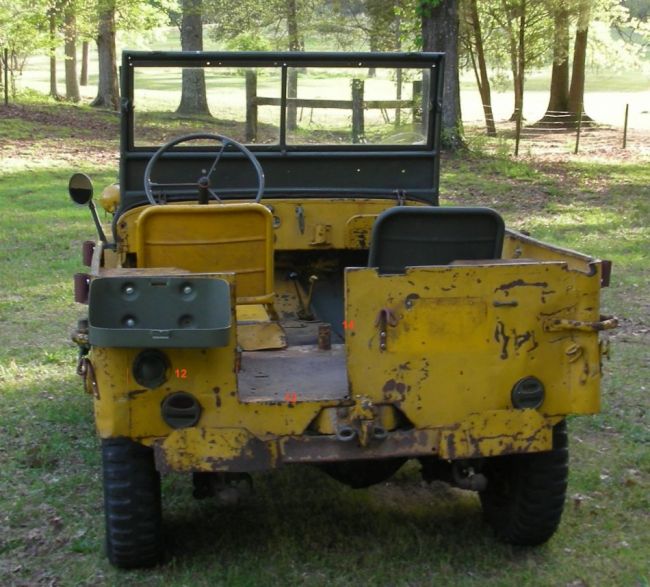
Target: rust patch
408,302
217,396
392,385
520,283
451,446
405,366
502,338
521,339
315,449
135,393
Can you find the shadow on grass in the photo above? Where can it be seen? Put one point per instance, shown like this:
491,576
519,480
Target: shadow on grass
299,518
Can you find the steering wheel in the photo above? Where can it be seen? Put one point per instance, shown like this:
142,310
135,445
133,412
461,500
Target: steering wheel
202,183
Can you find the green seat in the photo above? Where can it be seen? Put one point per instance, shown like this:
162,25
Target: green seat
427,235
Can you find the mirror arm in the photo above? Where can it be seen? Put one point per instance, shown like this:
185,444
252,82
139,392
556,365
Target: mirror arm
98,225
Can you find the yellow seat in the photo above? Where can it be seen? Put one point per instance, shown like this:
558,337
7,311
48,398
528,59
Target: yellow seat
214,238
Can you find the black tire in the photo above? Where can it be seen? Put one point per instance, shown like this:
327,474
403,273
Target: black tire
132,504
525,495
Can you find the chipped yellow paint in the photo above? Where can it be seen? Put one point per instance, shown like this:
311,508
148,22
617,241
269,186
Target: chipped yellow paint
457,339
214,449
496,432
464,335
256,331
261,336
350,222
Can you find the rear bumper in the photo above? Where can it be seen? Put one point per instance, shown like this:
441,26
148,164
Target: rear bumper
489,434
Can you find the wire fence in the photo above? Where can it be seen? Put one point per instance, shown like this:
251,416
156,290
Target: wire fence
562,133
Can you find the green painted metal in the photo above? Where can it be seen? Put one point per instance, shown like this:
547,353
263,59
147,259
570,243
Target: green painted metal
159,312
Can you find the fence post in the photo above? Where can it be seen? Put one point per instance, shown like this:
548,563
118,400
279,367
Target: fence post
357,111
518,131
627,109
398,97
575,151
251,106
292,92
6,72
417,101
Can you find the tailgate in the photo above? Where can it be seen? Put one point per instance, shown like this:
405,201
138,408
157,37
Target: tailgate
444,342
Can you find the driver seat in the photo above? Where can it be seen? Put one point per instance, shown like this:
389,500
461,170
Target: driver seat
214,238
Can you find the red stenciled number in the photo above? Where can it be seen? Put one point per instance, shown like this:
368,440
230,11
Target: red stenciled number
181,373
348,324
291,397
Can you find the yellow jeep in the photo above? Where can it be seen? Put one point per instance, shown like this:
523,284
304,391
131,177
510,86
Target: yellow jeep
280,286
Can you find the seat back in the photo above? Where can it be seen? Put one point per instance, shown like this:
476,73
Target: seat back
427,235
215,238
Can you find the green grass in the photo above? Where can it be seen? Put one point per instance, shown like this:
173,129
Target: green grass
299,527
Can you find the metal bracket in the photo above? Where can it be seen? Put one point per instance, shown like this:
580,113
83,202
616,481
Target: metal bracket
385,318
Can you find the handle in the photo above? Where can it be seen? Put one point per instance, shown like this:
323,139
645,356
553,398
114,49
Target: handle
605,323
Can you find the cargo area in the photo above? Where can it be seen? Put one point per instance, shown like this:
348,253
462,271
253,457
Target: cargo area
296,374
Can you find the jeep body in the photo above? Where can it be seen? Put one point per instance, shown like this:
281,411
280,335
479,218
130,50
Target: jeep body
280,286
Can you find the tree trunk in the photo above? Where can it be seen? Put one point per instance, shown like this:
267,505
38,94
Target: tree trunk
108,94
54,92
577,89
71,84
521,61
194,96
292,78
480,69
440,33
558,103
83,77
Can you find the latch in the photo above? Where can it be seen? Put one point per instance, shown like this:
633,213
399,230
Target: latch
385,318
557,325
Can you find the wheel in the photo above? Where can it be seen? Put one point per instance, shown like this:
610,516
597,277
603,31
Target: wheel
132,504
525,494
361,474
202,183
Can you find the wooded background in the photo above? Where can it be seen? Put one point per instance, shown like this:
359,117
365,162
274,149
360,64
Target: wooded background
500,41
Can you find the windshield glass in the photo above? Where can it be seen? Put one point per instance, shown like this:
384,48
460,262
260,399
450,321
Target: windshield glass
277,107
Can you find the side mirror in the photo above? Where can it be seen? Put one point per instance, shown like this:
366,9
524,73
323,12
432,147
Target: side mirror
80,188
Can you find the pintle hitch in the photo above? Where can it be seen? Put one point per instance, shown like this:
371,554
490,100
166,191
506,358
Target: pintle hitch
361,422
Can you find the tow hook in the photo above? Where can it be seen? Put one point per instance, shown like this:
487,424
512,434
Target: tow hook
85,368
361,422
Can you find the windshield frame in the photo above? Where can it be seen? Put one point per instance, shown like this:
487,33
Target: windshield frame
290,167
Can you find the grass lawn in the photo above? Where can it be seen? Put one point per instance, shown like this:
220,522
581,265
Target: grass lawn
299,527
